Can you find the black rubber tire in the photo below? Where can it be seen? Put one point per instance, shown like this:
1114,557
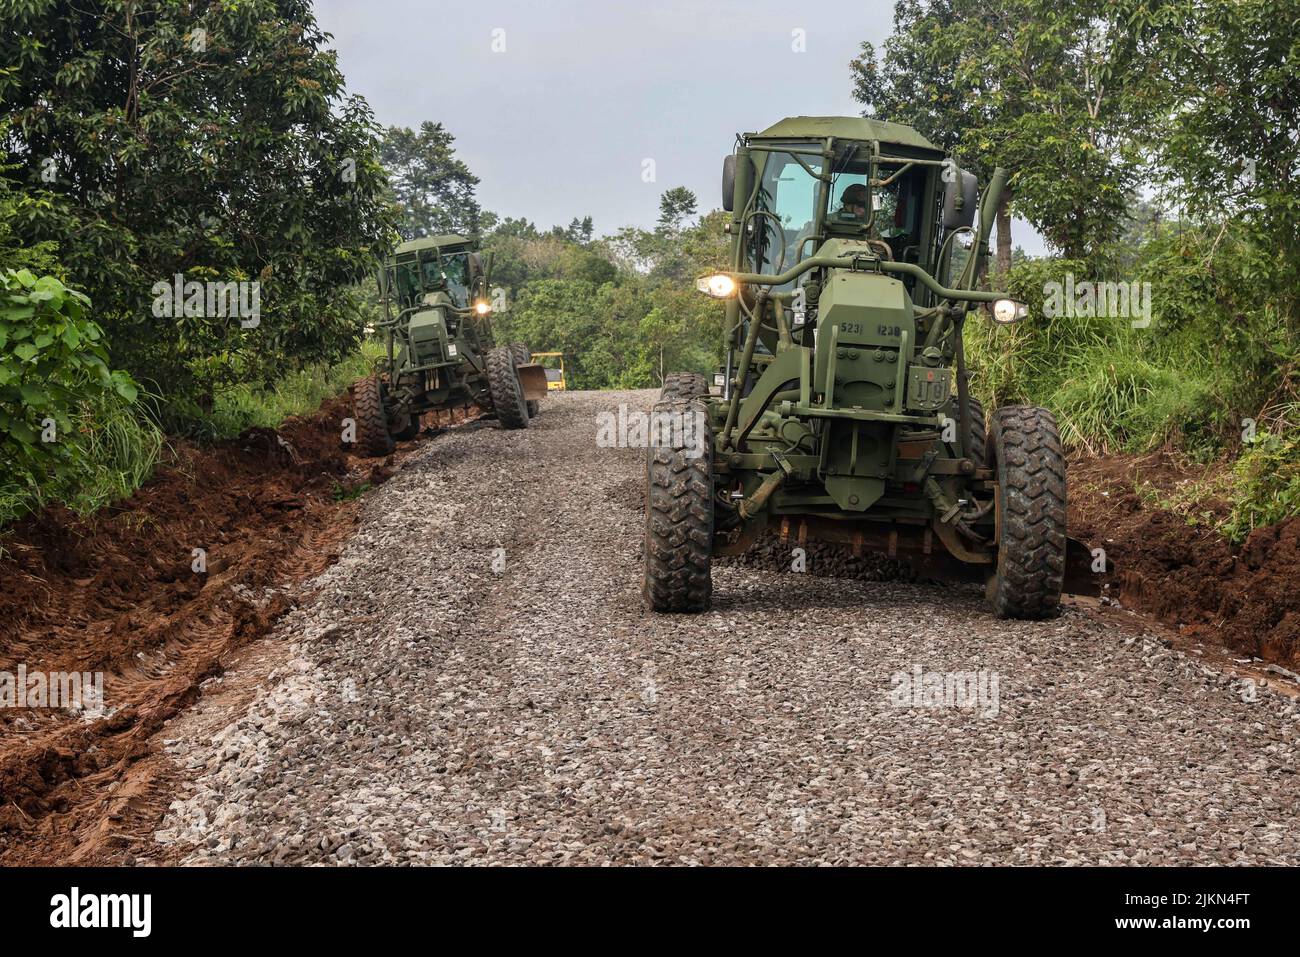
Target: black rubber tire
1031,480
373,438
507,394
683,385
679,518
975,449
523,356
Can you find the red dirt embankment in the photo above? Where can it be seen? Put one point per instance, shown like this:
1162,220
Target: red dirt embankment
1245,597
117,593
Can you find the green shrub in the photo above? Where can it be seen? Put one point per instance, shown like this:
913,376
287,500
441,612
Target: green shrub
1267,484
70,428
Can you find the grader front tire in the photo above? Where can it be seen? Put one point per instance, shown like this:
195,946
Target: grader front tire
683,385
373,437
1031,479
507,393
679,515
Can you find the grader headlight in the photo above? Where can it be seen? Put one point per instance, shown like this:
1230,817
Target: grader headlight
717,286
1007,311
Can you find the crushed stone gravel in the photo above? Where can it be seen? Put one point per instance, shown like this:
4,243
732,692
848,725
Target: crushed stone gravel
436,708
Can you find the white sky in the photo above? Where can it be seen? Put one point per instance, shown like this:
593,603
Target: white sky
559,124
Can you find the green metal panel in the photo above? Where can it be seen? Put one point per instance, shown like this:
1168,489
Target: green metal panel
428,332
863,319
788,366
847,128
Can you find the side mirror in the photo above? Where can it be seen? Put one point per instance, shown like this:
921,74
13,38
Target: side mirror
728,182
959,198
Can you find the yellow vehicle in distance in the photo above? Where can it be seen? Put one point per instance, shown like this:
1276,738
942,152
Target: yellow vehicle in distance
555,381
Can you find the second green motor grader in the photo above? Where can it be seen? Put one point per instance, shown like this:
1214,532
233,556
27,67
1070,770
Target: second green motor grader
440,350
845,414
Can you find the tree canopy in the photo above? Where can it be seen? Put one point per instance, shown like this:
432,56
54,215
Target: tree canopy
211,140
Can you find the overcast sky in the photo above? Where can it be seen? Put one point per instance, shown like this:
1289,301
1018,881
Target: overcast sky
560,122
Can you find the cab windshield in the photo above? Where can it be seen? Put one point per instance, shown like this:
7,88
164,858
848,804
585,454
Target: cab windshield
785,210
450,273
787,229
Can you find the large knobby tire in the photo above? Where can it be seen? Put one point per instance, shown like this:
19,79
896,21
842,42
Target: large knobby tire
1031,483
523,356
373,437
679,515
975,445
507,394
683,385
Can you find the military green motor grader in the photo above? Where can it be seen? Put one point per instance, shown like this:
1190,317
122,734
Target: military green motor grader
440,352
845,413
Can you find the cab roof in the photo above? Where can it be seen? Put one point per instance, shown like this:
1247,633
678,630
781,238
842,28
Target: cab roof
847,128
431,242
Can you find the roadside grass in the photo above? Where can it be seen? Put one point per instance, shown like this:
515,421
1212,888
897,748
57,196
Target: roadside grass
120,443
1267,482
122,446
1115,389
1115,399
1110,390
117,445
298,393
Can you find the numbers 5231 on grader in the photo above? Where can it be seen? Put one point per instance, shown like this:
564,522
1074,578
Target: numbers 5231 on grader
440,351
845,413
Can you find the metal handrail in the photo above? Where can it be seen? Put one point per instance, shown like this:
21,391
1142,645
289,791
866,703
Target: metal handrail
831,262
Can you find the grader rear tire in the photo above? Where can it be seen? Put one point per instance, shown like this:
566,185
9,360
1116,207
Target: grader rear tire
373,437
679,517
507,394
1030,568
683,385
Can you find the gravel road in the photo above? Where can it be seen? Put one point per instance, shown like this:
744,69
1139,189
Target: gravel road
424,707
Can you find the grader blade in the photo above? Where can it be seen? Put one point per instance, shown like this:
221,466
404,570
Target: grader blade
533,379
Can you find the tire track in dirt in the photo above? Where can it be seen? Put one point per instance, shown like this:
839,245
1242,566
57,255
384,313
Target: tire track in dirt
116,593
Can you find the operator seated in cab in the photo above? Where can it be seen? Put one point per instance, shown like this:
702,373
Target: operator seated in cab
853,205
889,229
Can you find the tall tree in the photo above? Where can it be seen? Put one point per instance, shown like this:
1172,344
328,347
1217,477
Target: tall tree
676,205
1057,92
433,188
1231,151
914,80
213,140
